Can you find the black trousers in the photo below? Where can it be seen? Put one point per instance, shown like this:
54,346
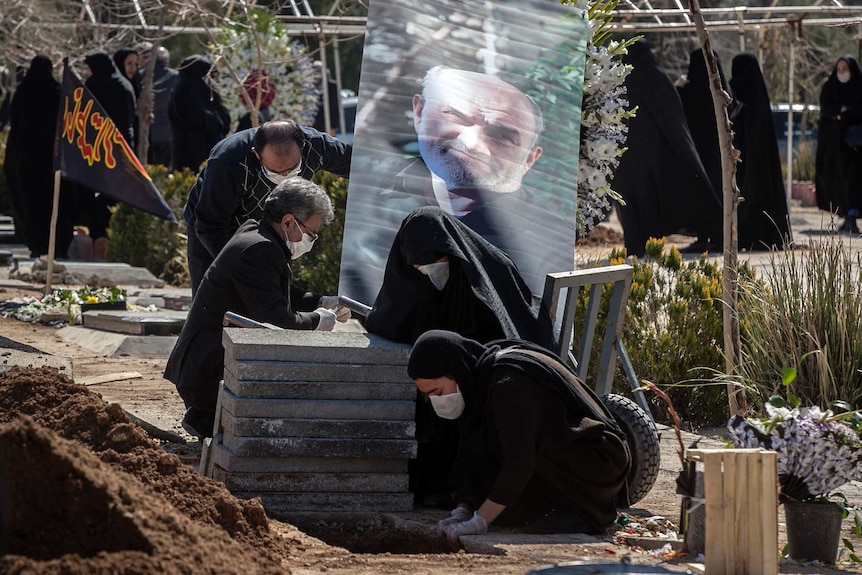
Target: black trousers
199,258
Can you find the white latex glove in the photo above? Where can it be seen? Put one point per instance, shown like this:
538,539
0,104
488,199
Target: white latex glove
342,314
328,301
327,319
457,515
474,526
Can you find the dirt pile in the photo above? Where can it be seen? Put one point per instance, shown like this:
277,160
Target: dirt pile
88,492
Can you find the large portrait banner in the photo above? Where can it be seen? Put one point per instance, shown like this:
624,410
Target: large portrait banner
463,105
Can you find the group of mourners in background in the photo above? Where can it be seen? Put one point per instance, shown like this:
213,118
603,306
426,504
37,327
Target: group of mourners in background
671,177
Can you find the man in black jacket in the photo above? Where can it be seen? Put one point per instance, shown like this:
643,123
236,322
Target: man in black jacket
251,276
241,171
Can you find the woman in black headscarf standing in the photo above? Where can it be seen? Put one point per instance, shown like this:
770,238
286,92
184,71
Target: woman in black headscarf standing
838,166
697,102
538,449
198,118
29,162
442,275
660,176
762,215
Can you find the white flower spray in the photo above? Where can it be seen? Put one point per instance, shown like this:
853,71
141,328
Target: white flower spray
603,115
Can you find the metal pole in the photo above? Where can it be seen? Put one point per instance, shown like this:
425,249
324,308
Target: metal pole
324,82
790,77
336,55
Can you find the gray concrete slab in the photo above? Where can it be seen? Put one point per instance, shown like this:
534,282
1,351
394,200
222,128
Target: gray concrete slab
320,447
327,382
222,457
117,344
297,483
166,322
317,409
265,377
312,346
10,358
329,428
282,504
116,273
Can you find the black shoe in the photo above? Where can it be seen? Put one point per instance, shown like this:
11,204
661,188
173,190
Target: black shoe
560,521
199,423
701,246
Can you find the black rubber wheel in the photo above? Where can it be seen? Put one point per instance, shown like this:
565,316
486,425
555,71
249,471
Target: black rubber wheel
643,441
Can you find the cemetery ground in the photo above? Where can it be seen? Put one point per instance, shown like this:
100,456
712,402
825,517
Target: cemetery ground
101,494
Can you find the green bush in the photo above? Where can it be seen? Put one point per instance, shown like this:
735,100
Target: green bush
672,331
318,270
144,240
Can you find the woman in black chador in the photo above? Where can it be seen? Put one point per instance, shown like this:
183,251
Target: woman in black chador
29,162
700,114
762,215
838,166
442,275
660,177
538,449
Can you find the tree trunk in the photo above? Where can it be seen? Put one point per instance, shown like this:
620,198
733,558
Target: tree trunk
730,200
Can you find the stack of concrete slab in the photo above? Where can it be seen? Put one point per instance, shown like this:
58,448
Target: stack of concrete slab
314,421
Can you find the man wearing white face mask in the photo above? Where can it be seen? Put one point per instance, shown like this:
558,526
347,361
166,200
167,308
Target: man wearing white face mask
239,174
251,276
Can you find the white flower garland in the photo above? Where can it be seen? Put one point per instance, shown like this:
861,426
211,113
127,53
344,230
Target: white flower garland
603,117
286,63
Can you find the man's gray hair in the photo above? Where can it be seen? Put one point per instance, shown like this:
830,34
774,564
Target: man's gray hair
538,116
299,197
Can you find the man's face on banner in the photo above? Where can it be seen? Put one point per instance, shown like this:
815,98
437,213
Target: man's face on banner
476,132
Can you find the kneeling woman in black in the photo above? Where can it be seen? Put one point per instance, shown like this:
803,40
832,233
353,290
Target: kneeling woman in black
537,448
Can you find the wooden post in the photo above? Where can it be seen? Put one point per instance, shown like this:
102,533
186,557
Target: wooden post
52,234
741,493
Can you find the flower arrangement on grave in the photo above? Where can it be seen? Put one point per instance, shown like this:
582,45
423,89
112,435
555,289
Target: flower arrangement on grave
818,450
63,301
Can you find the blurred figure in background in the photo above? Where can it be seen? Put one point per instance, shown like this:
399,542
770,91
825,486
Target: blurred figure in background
29,162
762,214
660,176
838,166
164,80
198,118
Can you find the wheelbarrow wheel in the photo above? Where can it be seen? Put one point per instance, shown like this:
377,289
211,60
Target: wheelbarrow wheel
643,441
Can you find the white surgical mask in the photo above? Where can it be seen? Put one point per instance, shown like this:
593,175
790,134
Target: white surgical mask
303,246
449,406
277,178
438,273
843,77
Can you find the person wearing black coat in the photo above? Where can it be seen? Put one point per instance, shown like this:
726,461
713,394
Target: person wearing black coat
115,94
660,176
538,448
762,214
252,277
198,118
126,61
29,162
838,166
241,171
700,115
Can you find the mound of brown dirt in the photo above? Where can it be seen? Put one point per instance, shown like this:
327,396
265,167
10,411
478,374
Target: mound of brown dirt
89,492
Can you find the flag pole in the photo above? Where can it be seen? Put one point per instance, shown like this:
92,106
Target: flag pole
53,234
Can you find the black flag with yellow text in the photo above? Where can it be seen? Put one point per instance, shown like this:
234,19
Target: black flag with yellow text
89,149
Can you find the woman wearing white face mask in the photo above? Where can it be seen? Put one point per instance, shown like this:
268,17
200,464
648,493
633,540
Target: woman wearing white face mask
251,276
538,449
442,275
838,165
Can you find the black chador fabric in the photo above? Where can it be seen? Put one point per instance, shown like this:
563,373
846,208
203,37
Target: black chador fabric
485,297
534,438
660,176
838,166
700,114
30,158
762,215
